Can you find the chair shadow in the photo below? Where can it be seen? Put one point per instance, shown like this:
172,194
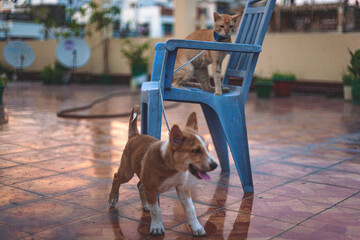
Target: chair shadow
242,222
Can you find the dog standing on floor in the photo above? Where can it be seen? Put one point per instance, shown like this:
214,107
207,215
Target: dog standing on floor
163,165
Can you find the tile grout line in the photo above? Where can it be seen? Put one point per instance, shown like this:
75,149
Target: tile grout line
298,224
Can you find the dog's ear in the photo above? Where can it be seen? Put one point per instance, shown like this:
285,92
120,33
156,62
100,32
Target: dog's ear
192,121
176,137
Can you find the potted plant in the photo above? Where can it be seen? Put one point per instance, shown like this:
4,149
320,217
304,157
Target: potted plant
138,63
283,83
263,87
354,69
55,75
3,83
346,78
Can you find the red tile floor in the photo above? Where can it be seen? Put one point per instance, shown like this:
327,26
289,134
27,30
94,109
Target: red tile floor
55,173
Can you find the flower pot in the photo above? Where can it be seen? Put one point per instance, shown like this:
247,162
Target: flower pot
356,91
263,91
3,116
347,92
282,88
138,75
106,78
263,88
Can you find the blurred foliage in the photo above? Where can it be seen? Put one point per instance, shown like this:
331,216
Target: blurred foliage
261,81
5,69
53,75
102,18
48,17
279,76
347,78
3,80
72,28
134,52
354,67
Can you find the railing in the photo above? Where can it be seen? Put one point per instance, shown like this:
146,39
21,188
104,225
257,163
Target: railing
335,17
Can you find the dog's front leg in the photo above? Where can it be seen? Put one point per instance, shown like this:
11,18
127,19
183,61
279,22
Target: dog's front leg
156,227
185,199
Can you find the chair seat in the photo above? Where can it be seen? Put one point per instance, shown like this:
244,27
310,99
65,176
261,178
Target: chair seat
194,95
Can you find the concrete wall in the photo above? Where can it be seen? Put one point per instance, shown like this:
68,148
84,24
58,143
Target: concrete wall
311,57
316,56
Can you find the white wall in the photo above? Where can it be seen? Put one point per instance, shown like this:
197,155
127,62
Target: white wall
146,14
152,16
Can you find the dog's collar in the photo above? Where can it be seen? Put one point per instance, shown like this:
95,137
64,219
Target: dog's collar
219,38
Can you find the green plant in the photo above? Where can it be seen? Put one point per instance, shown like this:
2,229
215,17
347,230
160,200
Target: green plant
102,17
5,69
134,52
263,87
51,75
354,67
346,78
57,75
46,74
263,82
278,76
3,80
44,16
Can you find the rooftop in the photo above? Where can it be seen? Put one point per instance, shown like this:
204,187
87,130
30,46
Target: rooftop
56,173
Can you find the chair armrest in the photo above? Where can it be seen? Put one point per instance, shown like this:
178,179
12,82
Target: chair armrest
173,44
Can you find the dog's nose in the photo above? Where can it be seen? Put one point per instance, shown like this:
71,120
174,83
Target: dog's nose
213,165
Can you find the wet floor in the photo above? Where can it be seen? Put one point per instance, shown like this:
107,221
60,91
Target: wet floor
55,173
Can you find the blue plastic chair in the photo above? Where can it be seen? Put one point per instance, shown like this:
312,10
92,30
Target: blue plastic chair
224,114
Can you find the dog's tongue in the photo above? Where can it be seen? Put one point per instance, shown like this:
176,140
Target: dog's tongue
203,175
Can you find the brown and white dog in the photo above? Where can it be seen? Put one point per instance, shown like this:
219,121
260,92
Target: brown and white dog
164,165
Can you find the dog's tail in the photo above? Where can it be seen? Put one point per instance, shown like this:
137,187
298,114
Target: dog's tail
133,130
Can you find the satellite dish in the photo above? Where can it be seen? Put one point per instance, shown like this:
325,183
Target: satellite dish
73,53
19,54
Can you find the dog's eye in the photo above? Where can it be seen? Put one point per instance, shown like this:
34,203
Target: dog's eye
231,26
197,150
222,26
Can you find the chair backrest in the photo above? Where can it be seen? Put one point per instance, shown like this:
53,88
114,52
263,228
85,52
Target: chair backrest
252,30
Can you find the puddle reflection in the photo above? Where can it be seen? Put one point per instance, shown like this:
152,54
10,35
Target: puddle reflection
98,131
114,219
215,224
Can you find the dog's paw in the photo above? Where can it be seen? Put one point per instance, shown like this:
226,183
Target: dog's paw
112,202
197,230
157,229
218,93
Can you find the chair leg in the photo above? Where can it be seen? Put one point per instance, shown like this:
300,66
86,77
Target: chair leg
233,122
151,114
218,136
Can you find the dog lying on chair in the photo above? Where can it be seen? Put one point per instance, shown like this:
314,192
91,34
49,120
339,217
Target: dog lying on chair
163,165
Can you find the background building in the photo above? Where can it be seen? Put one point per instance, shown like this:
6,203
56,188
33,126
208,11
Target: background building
20,19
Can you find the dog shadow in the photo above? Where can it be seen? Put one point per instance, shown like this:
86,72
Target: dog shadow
115,223
216,221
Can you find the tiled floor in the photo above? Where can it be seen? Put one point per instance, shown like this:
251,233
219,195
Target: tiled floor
55,173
